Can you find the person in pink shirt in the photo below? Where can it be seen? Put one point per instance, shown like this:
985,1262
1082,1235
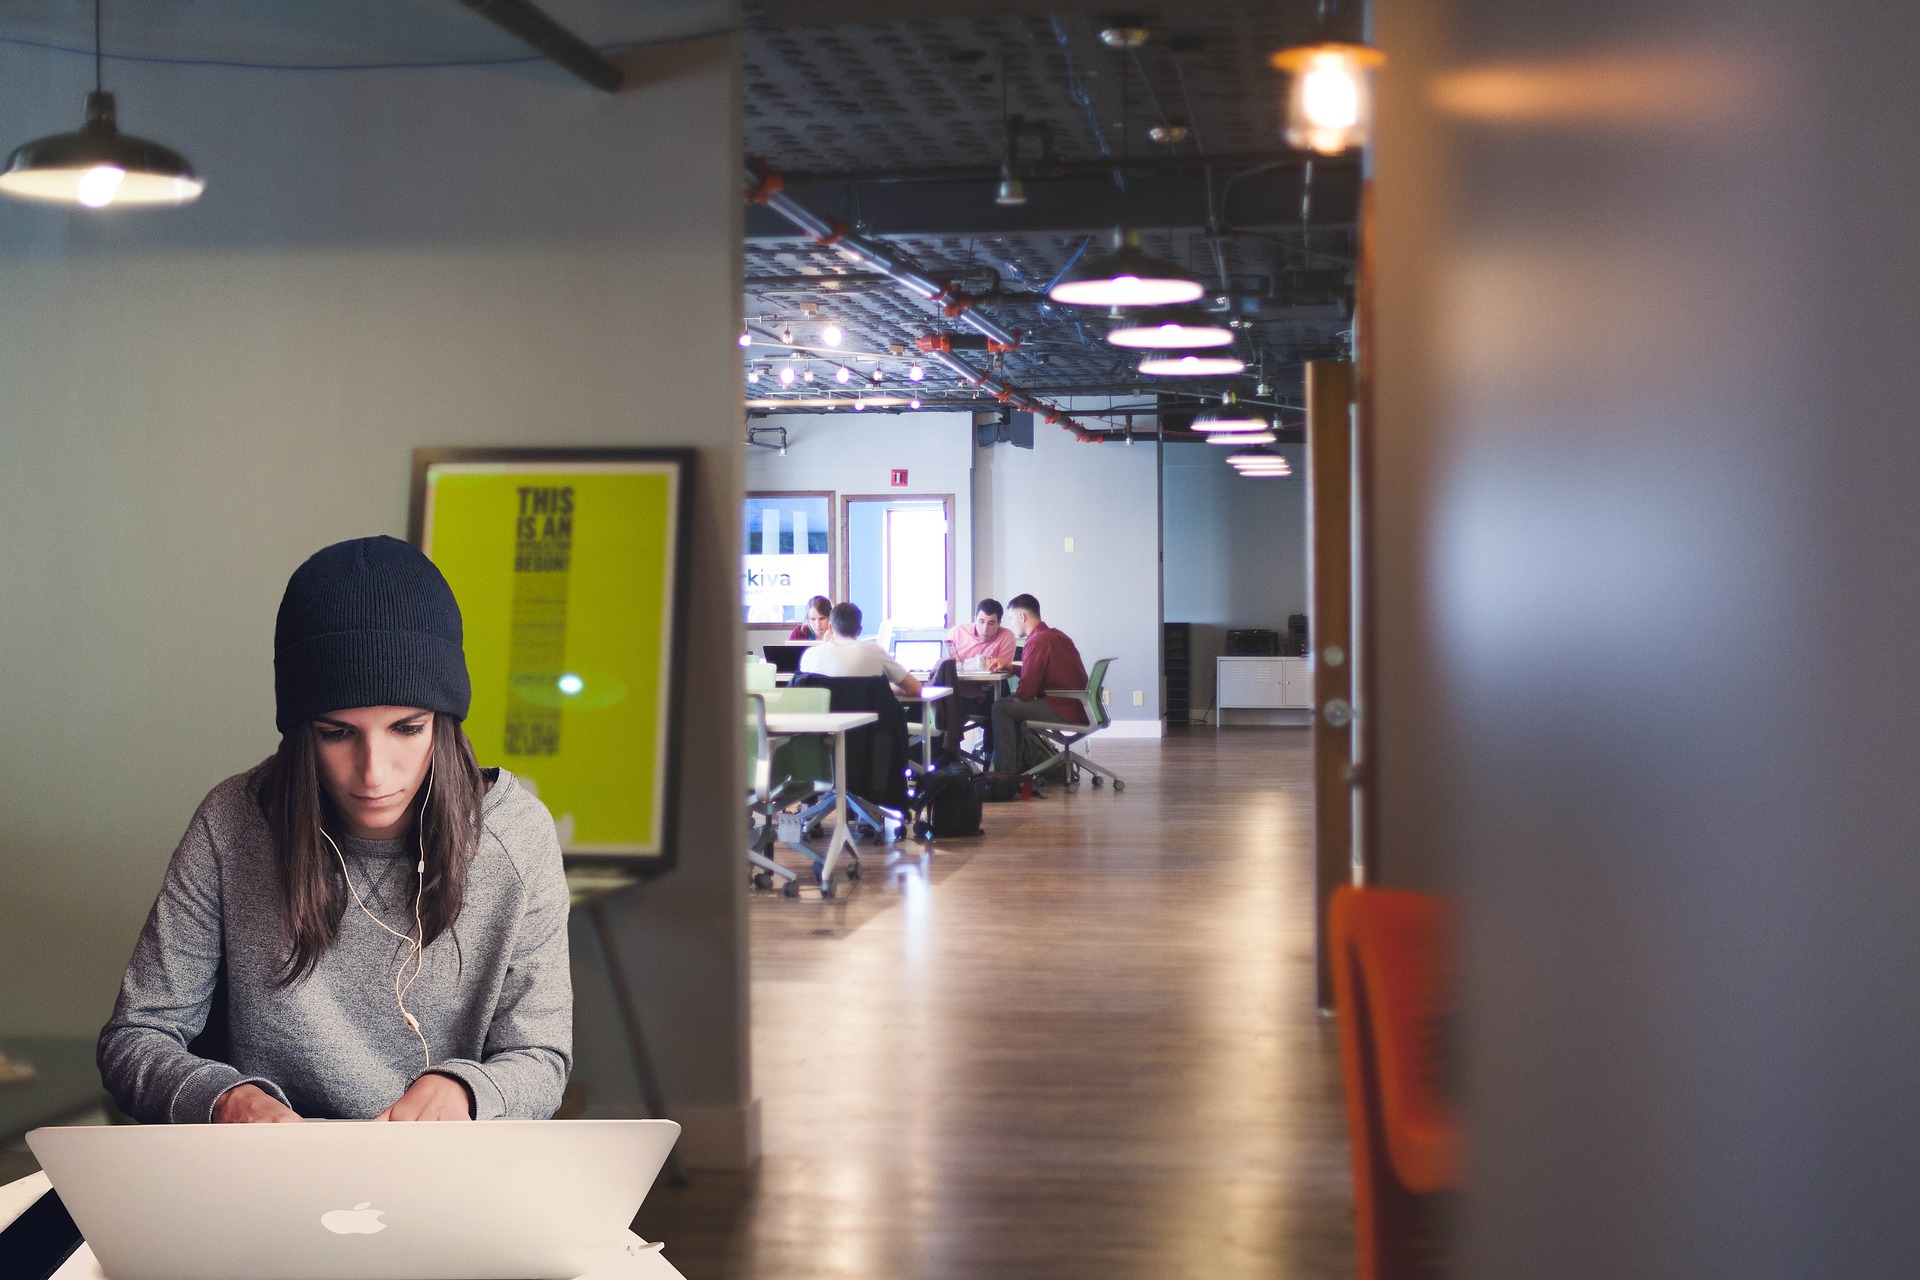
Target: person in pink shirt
985,642
983,638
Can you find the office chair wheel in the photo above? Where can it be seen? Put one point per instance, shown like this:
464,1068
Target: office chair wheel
1072,787
763,880
1097,780
1119,785
791,889
922,831
853,871
826,891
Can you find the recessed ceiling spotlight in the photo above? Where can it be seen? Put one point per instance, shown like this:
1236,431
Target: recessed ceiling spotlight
1190,364
832,334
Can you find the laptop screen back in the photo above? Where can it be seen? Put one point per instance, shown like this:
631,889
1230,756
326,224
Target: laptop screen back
919,655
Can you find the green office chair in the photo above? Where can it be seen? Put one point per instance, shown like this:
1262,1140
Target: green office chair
1058,738
779,771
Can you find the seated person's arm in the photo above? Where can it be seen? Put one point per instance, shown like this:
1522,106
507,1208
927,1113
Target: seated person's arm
902,679
1033,673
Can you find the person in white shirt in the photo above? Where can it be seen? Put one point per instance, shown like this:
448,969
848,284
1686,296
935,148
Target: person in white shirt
845,654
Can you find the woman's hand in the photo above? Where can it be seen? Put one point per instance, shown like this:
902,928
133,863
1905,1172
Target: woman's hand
250,1104
432,1097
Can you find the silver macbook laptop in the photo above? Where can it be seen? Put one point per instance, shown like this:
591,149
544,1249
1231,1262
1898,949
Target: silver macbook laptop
499,1200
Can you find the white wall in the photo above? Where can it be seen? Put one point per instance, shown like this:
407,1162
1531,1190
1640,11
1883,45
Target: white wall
197,399
855,453
1236,551
1105,592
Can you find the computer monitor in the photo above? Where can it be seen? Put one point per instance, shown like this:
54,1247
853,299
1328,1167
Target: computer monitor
919,656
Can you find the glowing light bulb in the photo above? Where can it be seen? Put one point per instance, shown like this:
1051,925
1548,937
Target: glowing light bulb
832,334
876,375
1330,106
99,185
786,377
842,375
753,375
916,373
808,375
746,339
914,403
859,406
570,684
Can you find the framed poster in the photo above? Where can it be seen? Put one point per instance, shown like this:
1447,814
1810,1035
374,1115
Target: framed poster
570,566
787,557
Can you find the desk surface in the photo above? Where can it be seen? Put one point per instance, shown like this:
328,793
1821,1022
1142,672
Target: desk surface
987,677
792,722
67,1084
928,693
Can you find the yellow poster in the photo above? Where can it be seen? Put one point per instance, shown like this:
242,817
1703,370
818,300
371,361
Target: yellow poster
566,573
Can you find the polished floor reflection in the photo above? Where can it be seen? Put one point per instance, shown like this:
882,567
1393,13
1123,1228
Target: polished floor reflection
1083,1045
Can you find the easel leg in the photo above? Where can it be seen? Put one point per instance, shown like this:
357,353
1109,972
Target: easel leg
636,1040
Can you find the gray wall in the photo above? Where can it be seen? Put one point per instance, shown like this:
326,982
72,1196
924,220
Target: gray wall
1105,592
1236,551
1647,602
851,453
197,399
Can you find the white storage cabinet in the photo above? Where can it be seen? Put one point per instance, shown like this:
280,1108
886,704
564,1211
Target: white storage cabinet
1264,684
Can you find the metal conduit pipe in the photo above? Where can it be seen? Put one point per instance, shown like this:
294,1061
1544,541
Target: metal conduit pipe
765,188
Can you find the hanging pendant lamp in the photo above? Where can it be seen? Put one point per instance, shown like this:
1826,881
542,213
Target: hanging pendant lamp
1127,276
1181,329
97,165
1230,420
1193,364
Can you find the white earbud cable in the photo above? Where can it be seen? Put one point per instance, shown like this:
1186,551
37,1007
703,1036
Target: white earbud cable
414,943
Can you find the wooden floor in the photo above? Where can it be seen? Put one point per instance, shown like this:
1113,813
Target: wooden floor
1081,1045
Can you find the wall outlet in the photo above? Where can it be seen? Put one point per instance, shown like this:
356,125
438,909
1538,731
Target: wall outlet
1106,697
1069,544
1139,697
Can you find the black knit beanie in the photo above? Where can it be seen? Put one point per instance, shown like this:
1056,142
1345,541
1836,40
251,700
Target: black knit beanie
368,623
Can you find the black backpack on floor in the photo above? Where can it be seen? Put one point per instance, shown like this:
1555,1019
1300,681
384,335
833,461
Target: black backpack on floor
948,805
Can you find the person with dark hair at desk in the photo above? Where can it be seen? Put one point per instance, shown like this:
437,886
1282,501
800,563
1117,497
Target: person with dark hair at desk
846,654
314,898
980,645
817,625
1051,661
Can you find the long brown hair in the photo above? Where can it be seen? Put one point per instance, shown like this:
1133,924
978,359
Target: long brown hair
312,896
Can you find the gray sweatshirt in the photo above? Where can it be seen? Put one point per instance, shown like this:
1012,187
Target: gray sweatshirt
496,1009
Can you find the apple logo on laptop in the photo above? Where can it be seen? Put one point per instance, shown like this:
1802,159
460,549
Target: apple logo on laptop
361,1220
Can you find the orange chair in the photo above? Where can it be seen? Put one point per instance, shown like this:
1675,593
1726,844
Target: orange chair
1390,991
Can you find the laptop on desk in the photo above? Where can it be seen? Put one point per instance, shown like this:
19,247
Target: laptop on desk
921,657
355,1200
786,657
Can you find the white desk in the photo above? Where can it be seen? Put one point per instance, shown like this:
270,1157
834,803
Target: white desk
928,695
833,724
637,1260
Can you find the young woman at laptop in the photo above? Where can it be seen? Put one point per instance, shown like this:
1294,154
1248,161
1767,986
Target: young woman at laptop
367,925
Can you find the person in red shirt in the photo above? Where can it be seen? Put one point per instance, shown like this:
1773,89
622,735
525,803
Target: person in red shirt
1050,661
818,624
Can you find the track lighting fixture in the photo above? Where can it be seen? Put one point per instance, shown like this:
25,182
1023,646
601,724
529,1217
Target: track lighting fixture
97,165
832,334
841,374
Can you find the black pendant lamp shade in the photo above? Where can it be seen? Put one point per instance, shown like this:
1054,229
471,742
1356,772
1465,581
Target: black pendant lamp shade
1126,277
97,165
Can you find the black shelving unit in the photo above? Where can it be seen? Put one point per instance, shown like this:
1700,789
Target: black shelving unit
1176,660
